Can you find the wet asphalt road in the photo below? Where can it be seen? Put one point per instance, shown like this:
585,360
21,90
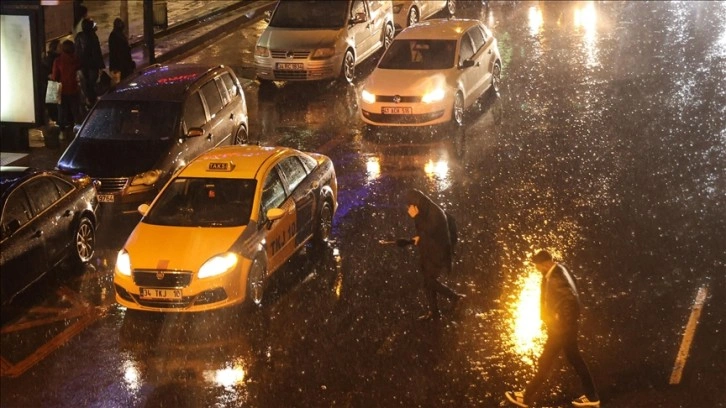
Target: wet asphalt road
607,144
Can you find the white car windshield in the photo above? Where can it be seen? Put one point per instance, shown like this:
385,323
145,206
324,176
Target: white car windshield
204,202
419,55
310,14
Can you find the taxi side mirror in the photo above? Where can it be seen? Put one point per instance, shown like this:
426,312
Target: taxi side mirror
358,18
195,132
143,209
274,214
466,64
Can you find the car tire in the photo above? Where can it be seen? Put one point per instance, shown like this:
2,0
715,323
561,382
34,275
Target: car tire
412,17
451,7
256,283
388,33
457,111
84,240
496,78
324,225
241,137
347,70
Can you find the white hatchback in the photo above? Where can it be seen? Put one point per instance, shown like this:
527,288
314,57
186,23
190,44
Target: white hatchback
409,12
431,73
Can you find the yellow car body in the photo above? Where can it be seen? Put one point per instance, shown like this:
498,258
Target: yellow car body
222,225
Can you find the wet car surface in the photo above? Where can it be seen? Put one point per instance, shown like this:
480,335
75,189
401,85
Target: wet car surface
604,146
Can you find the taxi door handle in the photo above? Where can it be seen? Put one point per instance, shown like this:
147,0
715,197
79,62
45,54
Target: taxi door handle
68,213
231,115
209,137
37,234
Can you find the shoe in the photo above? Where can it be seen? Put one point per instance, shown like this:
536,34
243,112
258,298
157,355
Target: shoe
583,401
429,316
516,398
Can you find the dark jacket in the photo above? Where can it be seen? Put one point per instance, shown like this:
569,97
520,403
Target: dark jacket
559,301
88,48
119,53
432,228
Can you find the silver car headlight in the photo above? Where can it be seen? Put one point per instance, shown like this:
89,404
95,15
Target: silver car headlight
367,97
146,178
218,265
123,263
435,95
322,53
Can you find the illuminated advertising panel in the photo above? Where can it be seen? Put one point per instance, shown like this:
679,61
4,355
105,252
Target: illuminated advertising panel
17,71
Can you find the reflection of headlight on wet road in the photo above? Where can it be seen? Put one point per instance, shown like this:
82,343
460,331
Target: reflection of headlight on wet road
131,375
226,377
437,169
373,168
526,327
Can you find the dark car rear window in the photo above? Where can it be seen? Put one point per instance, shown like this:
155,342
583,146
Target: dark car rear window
132,120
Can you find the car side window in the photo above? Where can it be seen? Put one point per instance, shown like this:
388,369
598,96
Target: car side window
485,33
374,5
63,186
294,171
17,208
358,7
309,163
42,193
477,38
230,85
273,192
466,51
194,115
212,96
223,91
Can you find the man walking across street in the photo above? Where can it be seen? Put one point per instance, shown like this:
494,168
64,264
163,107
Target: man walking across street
434,245
560,311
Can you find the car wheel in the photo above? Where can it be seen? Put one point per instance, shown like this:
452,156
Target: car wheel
85,240
457,113
388,33
241,137
256,283
347,71
325,224
412,16
451,7
496,78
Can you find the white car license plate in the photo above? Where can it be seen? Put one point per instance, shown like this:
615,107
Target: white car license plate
398,110
289,66
106,198
168,294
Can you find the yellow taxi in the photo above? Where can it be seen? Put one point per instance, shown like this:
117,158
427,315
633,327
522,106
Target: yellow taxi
222,225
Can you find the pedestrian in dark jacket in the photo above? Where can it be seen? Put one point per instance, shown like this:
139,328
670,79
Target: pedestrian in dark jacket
434,246
64,71
119,51
560,312
88,49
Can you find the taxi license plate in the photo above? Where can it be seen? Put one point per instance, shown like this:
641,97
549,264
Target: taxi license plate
106,198
398,110
168,294
288,66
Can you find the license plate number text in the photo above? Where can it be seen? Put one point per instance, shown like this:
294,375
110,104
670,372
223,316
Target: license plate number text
398,110
154,293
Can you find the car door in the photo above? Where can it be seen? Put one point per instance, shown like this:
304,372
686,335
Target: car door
195,116
280,234
302,191
377,20
234,104
53,215
470,76
219,127
360,32
23,254
482,56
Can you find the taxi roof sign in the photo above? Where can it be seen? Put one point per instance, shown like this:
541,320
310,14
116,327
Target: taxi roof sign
220,166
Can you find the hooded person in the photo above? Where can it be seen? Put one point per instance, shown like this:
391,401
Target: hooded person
434,245
88,49
119,51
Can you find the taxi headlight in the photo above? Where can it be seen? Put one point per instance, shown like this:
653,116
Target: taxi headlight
435,95
123,263
217,265
146,178
322,53
367,97
261,51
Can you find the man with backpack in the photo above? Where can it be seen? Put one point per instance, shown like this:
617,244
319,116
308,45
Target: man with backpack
434,242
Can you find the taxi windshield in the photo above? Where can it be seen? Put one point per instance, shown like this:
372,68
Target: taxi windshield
204,202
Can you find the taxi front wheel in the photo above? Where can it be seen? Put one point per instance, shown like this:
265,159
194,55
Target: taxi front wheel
256,283
325,224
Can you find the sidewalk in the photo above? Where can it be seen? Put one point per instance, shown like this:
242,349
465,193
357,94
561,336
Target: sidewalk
191,24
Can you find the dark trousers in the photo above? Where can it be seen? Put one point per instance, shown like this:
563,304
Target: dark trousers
432,287
90,78
556,343
69,113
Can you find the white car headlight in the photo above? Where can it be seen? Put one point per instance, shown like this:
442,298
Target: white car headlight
367,97
217,265
123,263
326,52
146,178
261,51
435,95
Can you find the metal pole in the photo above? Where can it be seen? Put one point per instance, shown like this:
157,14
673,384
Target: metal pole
124,14
149,30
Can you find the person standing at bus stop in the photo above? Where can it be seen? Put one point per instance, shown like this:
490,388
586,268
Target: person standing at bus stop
560,312
120,62
64,71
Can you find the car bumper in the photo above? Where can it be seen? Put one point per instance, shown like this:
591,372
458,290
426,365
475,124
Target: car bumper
419,114
309,70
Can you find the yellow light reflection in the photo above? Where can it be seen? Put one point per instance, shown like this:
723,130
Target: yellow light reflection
527,334
338,287
226,377
373,168
586,19
131,375
535,20
438,169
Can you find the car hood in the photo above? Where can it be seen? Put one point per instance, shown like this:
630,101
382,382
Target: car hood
289,38
184,248
405,82
113,158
